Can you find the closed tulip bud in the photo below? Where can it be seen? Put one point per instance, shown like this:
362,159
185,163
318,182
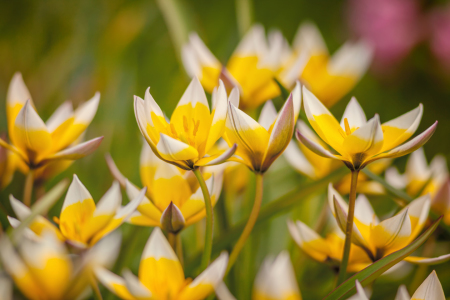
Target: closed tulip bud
172,219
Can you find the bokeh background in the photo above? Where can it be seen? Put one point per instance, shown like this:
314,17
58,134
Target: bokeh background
70,49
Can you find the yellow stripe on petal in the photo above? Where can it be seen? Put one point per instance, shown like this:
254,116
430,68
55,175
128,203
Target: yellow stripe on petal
309,241
114,283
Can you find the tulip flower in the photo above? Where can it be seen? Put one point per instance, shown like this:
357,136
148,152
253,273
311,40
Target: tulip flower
419,177
9,162
161,276
186,140
47,148
261,143
82,223
315,166
328,77
430,289
441,201
359,142
276,280
169,189
192,131
371,239
251,68
43,269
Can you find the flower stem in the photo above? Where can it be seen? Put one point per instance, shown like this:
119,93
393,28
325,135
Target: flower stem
175,242
349,228
209,220
244,15
250,223
28,188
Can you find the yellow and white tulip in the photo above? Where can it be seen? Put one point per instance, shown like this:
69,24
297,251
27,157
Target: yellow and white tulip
82,222
192,131
251,68
328,77
261,143
169,190
47,147
161,276
43,269
315,166
357,141
371,239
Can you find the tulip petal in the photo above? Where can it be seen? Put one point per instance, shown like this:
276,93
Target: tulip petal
268,115
120,217
135,287
30,132
308,38
400,129
430,289
19,271
323,122
16,98
365,141
49,264
205,283
112,282
276,279
298,160
139,219
196,201
251,138
281,133
341,218
315,147
174,150
61,114
392,234
309,241
219,113
428,261
360,293
402,293
147,208
75,152
160,270
77,210
410,146
39,224
351,59
218,158
418,211
354,114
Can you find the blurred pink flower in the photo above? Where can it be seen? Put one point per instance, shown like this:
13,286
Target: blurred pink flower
439,26
393,27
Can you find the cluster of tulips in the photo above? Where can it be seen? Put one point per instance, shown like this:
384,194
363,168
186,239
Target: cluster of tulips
187,159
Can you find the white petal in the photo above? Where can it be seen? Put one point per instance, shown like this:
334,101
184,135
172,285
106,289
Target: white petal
194,94
402,293
430,289
354,115
214,273
157,247
110,201
17,91
86,112
135,287
352,59
308,38
61,114
77,192
268,115
298,161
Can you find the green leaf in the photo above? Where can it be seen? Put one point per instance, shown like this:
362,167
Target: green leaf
373,271
41,206
276,207
284,92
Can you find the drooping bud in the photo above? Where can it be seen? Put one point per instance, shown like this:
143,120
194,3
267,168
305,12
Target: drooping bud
172,219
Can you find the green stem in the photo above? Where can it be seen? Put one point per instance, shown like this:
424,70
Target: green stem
349,228
179,249
209,220
250,223
244,15
28,188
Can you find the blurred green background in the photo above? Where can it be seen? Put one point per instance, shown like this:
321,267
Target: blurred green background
70,49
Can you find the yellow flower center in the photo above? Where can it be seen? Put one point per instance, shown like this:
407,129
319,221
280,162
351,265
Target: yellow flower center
190,131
